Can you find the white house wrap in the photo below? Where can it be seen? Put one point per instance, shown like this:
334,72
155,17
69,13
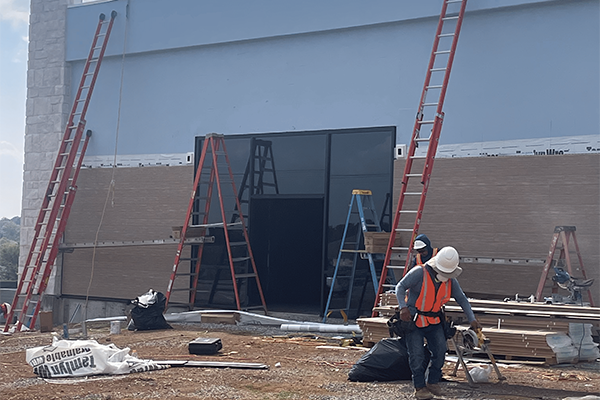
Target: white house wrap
66,358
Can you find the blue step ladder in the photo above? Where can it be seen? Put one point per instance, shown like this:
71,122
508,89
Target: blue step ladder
363,202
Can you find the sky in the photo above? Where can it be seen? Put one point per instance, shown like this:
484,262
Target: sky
14,28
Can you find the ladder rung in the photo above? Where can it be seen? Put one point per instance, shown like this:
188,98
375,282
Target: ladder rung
442,52
181,290
404,229
413,193
445,34
389,285
430,104
414,175
254,308
427,122
237,243
243,276
450,18
240,259
400,248
419,158
434,87
395,267
185,274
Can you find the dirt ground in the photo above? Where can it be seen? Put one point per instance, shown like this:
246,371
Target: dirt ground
298,369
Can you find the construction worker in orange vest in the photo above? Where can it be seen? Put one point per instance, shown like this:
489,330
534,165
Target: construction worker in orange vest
421,294
424,250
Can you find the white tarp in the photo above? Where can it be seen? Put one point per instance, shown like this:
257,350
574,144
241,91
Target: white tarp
70,358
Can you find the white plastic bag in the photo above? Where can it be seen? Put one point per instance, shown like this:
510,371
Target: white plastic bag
481,374
65,358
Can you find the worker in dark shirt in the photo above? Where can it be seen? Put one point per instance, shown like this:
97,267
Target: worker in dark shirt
424,250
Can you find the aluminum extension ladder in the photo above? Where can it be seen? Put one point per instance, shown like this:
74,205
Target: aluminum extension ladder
364,202
56,205
413,191
240,260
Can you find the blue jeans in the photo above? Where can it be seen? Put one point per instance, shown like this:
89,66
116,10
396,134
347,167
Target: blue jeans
436,342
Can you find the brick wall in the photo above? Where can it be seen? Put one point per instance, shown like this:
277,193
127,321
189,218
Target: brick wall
508,207
499,207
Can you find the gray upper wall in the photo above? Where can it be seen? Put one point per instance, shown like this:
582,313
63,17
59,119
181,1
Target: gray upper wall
523,69
157,25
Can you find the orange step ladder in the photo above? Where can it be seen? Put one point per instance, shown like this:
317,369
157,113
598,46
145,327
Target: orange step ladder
418,168
565,241
239,258
56,205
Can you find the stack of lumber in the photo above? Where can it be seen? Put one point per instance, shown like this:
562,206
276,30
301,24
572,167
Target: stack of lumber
516,330
377,242
373,329
523,344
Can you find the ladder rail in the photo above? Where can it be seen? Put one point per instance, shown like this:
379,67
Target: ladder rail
244,228
582,267
211,182
338,260
39,263
98,62
416,138
226,231
70,197
186,224
356,199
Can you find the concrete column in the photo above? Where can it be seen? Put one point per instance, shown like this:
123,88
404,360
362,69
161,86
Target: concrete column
47,108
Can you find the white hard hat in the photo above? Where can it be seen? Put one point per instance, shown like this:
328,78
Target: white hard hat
419,244
445,262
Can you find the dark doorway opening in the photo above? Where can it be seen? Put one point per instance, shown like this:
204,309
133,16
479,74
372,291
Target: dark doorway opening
286,234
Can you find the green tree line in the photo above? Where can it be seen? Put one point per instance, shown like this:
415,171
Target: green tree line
9,248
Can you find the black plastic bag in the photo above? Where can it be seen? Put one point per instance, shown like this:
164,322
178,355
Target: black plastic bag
148,312
386,361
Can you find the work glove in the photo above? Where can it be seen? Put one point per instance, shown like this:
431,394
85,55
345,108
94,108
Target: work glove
475,325
405,314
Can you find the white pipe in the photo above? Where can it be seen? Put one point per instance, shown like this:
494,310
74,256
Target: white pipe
321,328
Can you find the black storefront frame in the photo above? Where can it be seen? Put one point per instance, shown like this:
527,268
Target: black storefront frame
329,135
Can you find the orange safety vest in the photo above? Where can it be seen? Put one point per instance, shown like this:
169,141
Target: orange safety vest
419,262
431,300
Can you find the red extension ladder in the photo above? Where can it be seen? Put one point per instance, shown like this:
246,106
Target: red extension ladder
56,205
414,186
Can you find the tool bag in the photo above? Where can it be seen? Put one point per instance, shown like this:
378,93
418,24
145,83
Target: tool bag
399,328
